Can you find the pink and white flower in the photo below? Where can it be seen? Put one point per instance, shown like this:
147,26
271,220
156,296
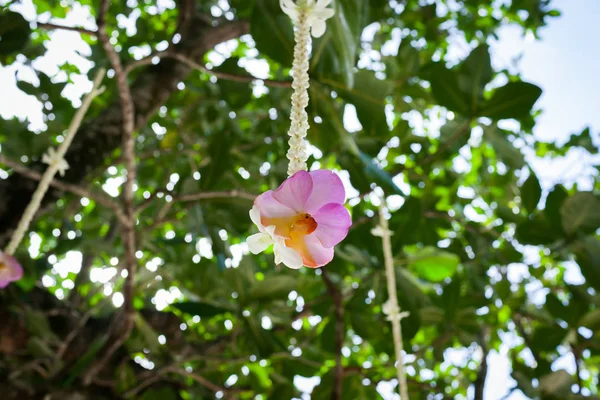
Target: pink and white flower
10,270
304,219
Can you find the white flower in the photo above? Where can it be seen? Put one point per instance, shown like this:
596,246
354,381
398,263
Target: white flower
379,231
51,157
317,10
392,310
259,242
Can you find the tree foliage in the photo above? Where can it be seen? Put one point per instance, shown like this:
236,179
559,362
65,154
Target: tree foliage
482,252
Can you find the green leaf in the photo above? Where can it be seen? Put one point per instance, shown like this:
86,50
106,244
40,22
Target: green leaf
327,336
263,340
433,264
39,348
531,192
446,89
504,149
554,202
591,320
37,325
536,231
582,139
273,32
148,333
474,73
14,33
378,175
588,258
125,377
408,58
455,134
580,211
237,94
86,360
513,100
368,96
273,287
334,55
547,338
556,308
200,308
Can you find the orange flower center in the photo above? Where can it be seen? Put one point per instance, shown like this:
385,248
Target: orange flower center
295,229
3,266
303,225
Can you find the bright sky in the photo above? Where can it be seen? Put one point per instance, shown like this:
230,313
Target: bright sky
564,63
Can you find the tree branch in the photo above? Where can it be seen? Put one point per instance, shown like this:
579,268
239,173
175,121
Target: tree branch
127,111
129,244
66,187
192,64
340,331
50,26
483,369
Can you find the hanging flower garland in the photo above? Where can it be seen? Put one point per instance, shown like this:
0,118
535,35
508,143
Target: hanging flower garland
305,217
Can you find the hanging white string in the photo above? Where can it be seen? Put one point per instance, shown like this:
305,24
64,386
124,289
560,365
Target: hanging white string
391,308
56,162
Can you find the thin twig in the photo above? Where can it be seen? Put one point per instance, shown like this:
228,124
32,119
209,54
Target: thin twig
50,26
394,311
204,382
188,198
66,187
336,295
48,176
192,64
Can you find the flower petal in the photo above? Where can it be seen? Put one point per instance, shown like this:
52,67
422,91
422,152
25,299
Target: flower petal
323,3
11,271
327,188
255,217
259,242
320,254
322,14
289,257
294,191
15,270
289,8
318,28
333,221
271,208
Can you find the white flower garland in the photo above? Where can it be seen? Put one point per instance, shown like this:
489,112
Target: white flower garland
305,14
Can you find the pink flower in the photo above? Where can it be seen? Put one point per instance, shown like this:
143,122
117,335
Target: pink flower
10,270
304,219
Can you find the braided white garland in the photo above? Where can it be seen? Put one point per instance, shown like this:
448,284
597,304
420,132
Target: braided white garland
306,15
